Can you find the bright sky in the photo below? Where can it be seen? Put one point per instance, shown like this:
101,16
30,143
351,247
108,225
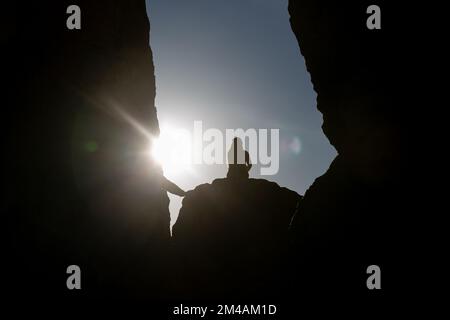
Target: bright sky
235,64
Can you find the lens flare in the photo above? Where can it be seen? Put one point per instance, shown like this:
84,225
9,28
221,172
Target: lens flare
172,150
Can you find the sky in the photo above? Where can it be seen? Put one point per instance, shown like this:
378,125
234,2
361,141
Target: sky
236,64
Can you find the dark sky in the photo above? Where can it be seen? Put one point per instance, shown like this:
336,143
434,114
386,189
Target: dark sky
236,64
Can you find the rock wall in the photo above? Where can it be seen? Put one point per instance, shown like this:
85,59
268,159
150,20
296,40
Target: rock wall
81,189
351,217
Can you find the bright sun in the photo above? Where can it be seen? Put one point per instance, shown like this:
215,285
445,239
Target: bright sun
172,150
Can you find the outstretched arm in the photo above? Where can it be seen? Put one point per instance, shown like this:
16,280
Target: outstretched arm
171,187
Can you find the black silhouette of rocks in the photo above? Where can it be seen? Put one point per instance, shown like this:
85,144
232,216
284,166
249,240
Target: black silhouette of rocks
231,238
65,152
80,191
354,215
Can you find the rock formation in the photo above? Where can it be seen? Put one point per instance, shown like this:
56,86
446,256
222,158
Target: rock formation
351,216
79,192
231,238
83,192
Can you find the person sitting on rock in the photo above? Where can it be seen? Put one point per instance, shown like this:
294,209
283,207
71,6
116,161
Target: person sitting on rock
239,163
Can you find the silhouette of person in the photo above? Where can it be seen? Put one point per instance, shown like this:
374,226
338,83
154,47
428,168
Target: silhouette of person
239,163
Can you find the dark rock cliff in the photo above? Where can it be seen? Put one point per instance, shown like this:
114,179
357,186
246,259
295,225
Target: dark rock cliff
353,215
79,189
231,238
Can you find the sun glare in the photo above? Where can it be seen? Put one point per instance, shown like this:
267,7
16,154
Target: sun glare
172,150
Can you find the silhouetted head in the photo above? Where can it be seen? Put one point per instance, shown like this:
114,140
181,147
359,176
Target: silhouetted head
236,154
237,142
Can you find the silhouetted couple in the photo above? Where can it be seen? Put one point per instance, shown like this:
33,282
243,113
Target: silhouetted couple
239,165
